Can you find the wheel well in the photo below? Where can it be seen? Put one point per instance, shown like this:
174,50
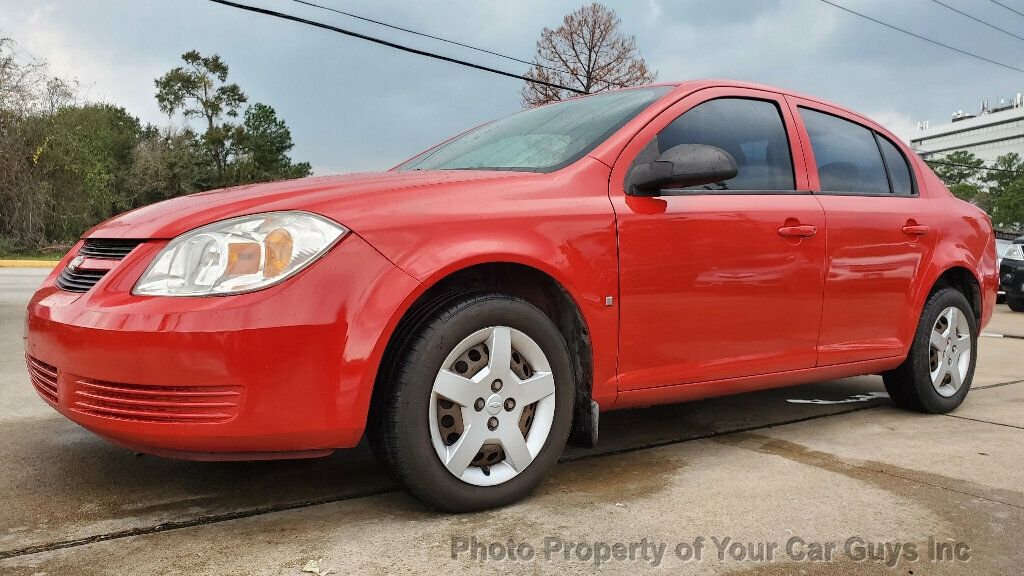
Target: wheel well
962,280
526,282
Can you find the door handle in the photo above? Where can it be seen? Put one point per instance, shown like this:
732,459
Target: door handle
915,230
804,231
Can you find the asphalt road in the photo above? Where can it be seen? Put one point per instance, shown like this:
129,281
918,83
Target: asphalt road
827,478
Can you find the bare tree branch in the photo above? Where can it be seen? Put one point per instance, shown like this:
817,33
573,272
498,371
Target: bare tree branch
588,50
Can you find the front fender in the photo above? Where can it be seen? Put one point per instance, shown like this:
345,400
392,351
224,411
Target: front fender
561,225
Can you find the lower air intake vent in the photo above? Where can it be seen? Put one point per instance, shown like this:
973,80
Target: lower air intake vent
170,404
44,378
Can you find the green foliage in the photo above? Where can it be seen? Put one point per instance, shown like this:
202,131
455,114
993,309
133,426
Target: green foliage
998,189
960,167
1009,209
83,158
1008,169
965,191
255,151
168,163
199,90
194,89
261,148
65,166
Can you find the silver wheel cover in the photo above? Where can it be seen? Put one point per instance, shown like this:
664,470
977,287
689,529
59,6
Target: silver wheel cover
491,403
949,351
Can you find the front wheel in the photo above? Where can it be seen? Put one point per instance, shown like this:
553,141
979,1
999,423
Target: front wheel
1015,304
939,368
477,405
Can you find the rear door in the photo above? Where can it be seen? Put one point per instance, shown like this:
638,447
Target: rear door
715,283
880,233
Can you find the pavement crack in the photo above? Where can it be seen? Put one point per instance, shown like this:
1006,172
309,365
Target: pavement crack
260,511
984,421
997,385
179,524
994,335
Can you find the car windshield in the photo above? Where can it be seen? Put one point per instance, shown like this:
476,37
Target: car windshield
541,139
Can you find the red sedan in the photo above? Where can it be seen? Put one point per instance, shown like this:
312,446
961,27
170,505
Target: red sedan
473,308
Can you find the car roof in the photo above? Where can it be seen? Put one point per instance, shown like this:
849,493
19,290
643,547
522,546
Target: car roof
690,86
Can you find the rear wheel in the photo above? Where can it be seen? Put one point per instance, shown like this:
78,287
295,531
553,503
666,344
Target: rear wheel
939,368
1015,304
478,404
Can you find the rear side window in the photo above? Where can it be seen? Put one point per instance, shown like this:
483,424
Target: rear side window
750,130
846,153
899,171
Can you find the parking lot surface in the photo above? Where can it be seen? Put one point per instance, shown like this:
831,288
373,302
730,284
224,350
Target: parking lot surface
826,478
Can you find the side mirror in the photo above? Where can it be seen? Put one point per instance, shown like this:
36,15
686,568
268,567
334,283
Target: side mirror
679,167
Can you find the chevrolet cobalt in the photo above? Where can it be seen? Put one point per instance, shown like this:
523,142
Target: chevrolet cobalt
476,307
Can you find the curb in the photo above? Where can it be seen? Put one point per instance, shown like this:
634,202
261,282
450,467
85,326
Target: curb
28,263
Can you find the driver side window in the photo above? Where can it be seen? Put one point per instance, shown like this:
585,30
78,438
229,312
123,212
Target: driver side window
752,131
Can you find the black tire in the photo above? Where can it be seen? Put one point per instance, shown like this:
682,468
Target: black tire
399,428
910,385
1015,304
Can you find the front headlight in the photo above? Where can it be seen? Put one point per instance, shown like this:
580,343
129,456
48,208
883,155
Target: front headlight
1014,252
239,255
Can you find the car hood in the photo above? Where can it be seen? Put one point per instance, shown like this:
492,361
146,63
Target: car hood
348,199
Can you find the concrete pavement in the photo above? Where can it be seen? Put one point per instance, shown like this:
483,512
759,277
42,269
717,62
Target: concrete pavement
819,477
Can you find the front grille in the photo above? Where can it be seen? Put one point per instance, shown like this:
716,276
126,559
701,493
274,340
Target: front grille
44,378
82,279
168,404
109,249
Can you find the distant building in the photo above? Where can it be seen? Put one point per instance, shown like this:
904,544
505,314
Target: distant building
994,131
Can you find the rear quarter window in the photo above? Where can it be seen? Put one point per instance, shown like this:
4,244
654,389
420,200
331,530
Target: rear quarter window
899,171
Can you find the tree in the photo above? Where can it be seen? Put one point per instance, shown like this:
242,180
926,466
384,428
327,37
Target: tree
1006,169
23,200
167,163
1009,209
66,165
588,52
261,148
961,172
199,90
84,159
20,83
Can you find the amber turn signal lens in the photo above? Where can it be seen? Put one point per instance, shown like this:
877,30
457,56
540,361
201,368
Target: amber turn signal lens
243,258
279,252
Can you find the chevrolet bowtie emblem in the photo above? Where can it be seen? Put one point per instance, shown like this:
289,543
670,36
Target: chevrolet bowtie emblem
75,263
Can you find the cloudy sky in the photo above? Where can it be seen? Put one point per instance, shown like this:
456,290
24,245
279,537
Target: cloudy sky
355,106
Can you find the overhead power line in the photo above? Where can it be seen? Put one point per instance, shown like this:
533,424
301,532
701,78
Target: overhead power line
411,50
959,165
978,20
424,34
442,39
1014,10
920,37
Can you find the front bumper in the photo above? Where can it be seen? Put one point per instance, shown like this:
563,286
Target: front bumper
1011,278
288,369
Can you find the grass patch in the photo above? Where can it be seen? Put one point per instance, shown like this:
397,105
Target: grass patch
54,256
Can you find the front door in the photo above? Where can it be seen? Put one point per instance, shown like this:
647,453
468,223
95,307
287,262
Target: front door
725,280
